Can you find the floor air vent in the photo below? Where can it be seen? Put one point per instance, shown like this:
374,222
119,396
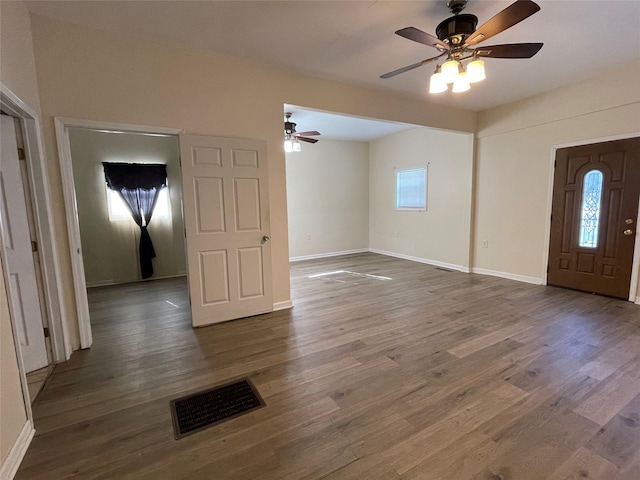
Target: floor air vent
201,410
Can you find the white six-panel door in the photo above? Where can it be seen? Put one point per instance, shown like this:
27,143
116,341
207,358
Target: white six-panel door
23,289
226,215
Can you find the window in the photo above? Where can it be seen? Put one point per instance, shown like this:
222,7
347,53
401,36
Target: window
411,189
590,216
119,211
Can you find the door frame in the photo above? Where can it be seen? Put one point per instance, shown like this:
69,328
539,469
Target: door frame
62,125
635,268
38,181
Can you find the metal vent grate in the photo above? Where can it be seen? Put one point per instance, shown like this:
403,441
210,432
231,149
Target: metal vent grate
201,410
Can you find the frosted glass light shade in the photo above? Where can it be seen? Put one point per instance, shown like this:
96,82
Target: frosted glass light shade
288,145
449,71
437,83
475,71
461,84
296,146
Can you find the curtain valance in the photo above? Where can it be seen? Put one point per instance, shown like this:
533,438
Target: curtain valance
132,176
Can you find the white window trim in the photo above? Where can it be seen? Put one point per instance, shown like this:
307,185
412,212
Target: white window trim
397,171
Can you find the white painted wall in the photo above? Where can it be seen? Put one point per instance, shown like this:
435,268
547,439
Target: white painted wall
514,163
439,235
328,198
110,248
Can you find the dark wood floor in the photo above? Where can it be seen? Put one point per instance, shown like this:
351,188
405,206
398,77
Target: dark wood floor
428,374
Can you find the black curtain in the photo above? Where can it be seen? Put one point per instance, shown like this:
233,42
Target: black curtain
139,185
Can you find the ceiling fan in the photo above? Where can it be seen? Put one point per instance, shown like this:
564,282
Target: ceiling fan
291,137
457,38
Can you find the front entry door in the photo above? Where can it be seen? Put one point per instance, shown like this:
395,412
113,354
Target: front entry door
22,284
226,216
594,217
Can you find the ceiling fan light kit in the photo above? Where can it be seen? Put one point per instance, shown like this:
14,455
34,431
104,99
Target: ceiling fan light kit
292,138
455,37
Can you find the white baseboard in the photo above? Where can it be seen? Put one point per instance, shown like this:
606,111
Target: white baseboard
435,263
282,305
19,449
330,254
637,300
509,276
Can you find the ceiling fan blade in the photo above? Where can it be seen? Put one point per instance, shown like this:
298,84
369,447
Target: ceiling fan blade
510,50
424,38
308,140
514,13
310,133
411,67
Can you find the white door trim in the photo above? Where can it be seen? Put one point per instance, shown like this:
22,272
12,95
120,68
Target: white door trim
62,125
635,268
45,230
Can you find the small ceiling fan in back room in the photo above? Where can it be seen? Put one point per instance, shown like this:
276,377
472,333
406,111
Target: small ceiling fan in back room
456,39
292,138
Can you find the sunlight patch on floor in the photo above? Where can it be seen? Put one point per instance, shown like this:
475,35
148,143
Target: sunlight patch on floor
347,272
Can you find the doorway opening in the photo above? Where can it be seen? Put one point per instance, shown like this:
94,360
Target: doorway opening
23,142
108,233
342,190
64,127
226,223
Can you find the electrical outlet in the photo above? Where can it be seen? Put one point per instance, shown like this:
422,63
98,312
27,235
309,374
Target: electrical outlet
308,236
485,244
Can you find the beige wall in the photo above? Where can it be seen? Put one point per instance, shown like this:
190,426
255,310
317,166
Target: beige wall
440,234
88,74
514,157
17,72
328,198
110,248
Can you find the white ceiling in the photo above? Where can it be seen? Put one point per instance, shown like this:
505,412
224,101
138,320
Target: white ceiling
342,127
353,41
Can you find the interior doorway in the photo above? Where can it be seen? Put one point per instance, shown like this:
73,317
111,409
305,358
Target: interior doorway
594,217
109,235
242,165
62,126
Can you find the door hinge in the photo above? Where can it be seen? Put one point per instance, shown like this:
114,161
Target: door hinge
46,332
21,155
34,246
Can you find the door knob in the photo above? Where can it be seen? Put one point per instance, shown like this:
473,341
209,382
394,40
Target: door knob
266,238
629,221
628,232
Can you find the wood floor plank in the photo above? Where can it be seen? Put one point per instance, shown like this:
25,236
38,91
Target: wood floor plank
619,440
425,374
583,464
609,398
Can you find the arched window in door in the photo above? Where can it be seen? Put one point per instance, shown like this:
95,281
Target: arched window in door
590,211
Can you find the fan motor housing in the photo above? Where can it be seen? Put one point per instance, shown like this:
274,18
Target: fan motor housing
289,128
455,29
